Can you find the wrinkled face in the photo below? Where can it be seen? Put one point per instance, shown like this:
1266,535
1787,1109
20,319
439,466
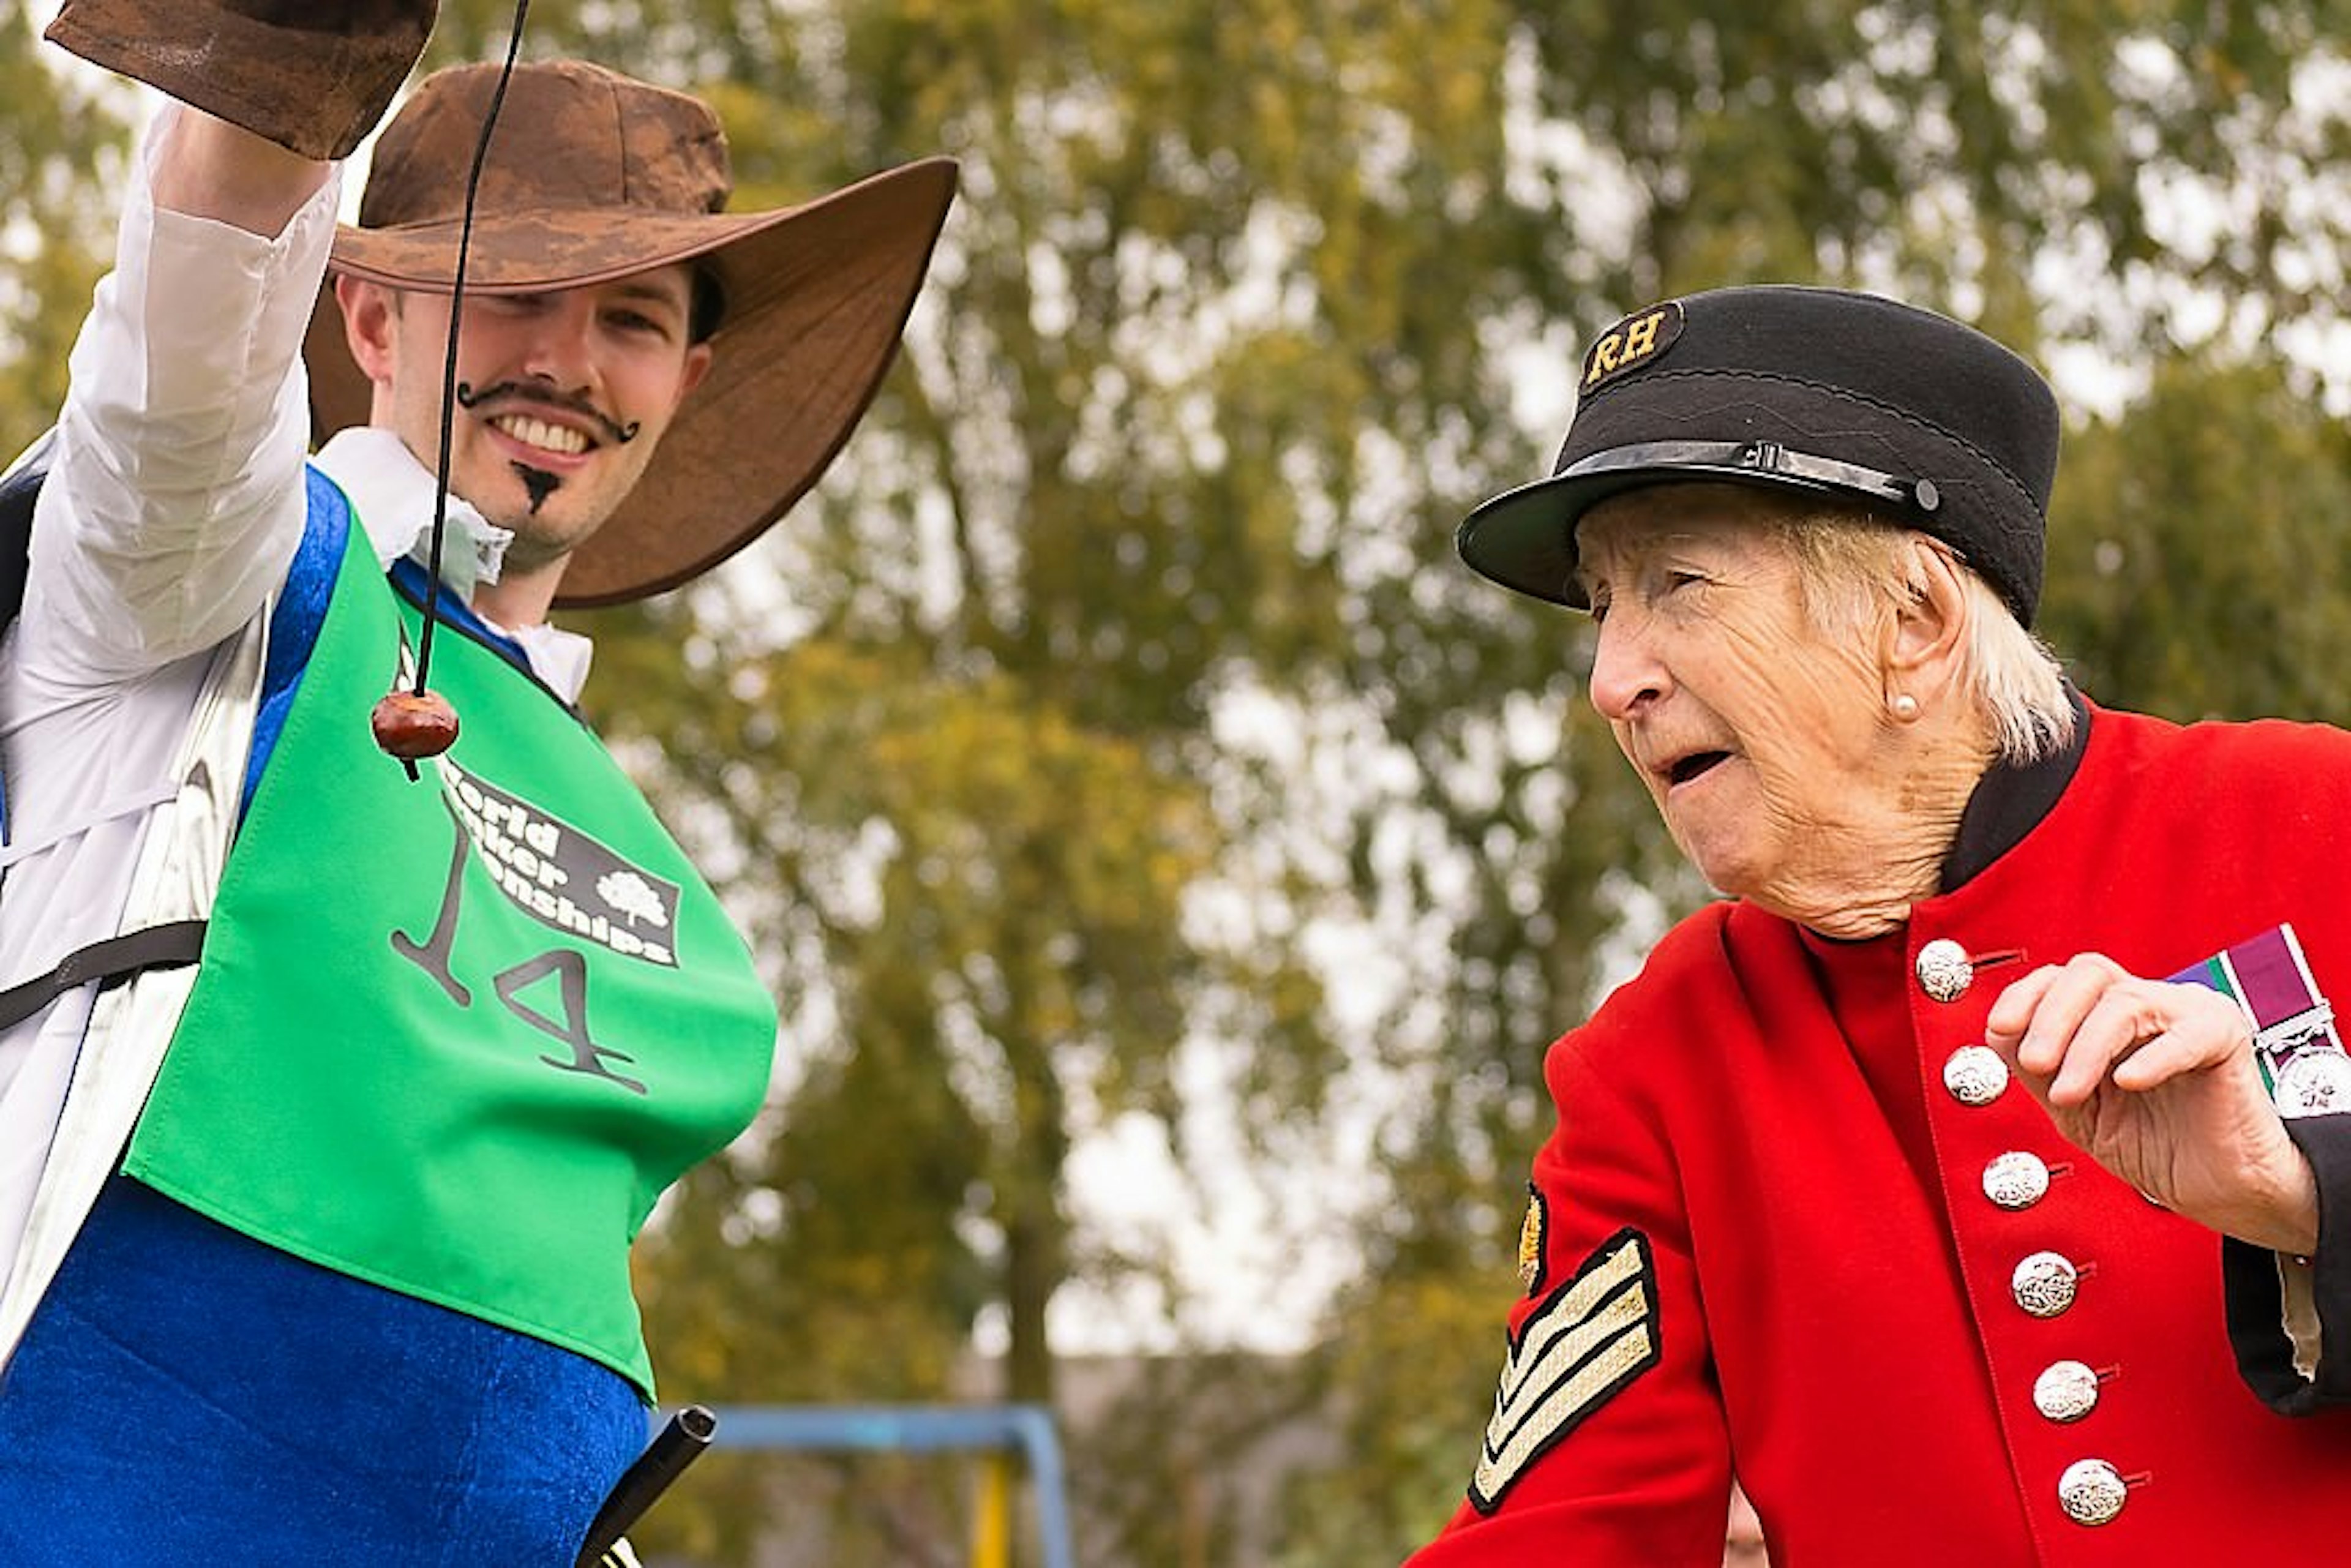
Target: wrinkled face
1756,733
562,396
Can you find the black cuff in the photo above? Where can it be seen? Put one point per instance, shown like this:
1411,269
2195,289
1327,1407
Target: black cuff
2255,1299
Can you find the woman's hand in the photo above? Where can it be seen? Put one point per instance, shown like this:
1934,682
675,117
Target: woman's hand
2156,1081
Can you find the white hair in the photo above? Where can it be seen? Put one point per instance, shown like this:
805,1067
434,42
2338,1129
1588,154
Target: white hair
1859,566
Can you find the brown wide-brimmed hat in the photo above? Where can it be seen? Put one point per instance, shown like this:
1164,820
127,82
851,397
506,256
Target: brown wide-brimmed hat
591,176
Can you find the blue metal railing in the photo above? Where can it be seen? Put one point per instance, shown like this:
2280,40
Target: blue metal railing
919,1428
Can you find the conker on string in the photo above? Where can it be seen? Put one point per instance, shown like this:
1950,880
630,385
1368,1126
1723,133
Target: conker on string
412,724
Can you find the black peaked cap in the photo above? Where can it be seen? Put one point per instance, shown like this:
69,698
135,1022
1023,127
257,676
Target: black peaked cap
1934,425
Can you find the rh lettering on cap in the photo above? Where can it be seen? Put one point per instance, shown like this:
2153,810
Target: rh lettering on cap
1632,343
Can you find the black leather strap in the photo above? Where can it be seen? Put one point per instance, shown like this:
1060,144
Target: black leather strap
162,946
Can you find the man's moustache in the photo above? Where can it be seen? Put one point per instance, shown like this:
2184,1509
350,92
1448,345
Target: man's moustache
474,401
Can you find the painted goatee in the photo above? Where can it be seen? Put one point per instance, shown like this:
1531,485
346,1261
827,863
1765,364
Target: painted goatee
539,482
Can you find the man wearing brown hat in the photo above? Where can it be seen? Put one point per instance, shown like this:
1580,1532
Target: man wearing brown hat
1928,1181
316,1250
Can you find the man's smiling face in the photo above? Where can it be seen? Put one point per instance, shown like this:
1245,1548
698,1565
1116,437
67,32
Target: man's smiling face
563,396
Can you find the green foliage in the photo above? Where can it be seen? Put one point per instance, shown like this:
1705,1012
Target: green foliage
2197,549
1121,658
61,145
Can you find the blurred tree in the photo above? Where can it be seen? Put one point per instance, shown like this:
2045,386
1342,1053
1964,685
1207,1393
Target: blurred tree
59,156
2197,559
1115,737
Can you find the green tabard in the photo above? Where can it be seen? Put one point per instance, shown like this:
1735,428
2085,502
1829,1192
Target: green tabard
455,1035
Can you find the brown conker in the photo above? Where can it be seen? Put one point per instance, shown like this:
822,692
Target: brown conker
412,724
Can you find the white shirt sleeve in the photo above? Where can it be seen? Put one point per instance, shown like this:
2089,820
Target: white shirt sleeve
175,498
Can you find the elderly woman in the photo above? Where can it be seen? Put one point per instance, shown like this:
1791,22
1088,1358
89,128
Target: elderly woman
1928,1179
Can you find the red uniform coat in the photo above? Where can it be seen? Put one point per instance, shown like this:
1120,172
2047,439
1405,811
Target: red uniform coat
1762,1239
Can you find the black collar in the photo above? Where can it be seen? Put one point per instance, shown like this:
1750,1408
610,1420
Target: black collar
2008,802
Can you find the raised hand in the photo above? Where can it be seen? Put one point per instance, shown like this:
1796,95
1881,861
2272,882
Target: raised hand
2156,1081
312,75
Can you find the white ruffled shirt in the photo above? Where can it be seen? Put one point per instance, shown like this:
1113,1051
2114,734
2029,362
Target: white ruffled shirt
393,495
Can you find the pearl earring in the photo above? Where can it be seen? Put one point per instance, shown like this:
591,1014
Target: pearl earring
1905,706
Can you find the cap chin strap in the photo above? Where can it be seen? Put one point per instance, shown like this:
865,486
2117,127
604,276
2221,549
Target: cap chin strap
1757,457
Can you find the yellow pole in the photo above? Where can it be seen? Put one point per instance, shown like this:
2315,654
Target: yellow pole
991,1520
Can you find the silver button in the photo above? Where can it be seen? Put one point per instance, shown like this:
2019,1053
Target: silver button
1944,972
2065,1391
2016,1180
2091,1492
2043,1284
1975,1076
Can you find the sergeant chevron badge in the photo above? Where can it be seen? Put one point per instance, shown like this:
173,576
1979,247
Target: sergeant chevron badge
1584,1345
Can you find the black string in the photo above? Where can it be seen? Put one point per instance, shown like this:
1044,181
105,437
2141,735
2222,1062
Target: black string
449,371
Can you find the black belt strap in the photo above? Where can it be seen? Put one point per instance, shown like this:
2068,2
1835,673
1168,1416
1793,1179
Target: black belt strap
116,959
